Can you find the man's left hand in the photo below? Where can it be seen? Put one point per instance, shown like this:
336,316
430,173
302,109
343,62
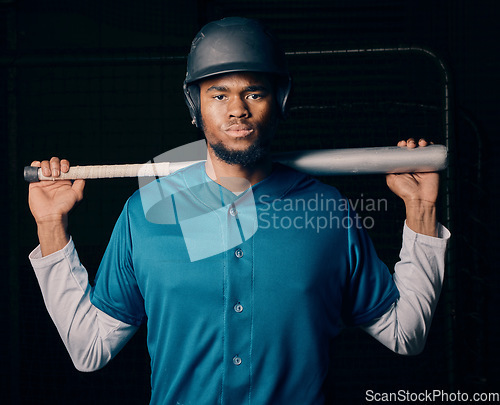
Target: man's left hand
419,192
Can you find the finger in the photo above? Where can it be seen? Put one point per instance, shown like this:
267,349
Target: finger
64,165
35,163
422,142
78,186
45,165
401,143
389,178
55,166
410,143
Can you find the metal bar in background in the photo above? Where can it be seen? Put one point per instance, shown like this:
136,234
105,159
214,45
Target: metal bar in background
89,58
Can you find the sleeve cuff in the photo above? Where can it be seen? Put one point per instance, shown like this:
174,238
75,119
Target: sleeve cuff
443,235
38,261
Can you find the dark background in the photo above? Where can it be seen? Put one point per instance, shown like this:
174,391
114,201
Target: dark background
101,82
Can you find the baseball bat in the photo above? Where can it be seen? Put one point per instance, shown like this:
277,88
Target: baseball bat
327,162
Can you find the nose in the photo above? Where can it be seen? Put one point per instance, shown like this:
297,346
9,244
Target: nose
238,108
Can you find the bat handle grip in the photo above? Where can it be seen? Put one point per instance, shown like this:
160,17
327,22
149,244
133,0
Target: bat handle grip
31,174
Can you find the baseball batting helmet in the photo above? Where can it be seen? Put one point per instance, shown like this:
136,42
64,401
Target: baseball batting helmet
230,45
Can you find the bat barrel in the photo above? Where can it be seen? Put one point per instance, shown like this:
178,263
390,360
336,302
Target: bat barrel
377,160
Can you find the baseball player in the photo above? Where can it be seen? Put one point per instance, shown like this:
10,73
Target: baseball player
241,292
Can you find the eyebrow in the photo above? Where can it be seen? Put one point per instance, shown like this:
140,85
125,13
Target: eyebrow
248,88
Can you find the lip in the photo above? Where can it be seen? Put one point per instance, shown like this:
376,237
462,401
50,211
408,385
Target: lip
239,131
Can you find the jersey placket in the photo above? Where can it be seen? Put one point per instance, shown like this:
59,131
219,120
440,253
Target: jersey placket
238,301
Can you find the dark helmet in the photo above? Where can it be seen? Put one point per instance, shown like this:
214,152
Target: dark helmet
234,45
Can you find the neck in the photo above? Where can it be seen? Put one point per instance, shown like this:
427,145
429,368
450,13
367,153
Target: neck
234,177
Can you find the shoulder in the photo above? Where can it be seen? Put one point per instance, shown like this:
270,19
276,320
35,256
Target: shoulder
305,184
163,187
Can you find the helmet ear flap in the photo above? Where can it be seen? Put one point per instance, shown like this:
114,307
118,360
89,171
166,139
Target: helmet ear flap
283,90
192,98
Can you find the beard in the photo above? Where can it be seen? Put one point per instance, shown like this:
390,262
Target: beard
246,158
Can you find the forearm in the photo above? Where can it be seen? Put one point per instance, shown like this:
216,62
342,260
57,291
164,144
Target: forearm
421,217
53,235
91,337
419,277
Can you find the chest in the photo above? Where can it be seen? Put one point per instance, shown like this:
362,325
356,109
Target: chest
283,262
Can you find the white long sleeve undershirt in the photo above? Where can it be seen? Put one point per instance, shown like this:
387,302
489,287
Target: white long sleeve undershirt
93,338
419,277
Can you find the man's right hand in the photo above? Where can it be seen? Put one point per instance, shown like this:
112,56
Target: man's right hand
51,201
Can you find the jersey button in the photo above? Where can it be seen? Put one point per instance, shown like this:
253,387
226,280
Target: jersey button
238,308
236,360
238,253
233,211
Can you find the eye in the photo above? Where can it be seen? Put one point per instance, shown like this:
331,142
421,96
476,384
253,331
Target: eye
219,97
256,96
